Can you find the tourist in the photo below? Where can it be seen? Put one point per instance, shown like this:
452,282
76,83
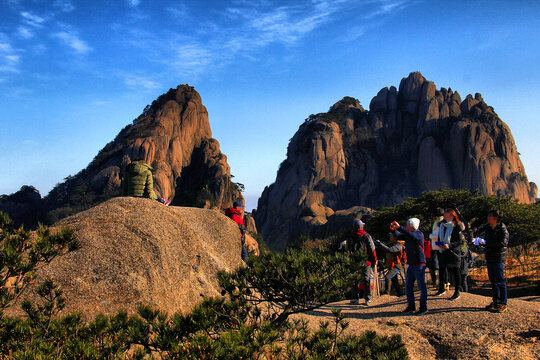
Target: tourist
450,242
138,181
416,261
361,240
235,213
496,238
433,262
393,263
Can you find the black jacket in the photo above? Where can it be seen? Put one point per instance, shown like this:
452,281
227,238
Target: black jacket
496,242
452,256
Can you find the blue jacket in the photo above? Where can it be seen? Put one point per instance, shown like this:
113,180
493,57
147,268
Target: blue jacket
414,243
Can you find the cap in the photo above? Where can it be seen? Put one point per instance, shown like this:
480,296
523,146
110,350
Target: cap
358,223
238,204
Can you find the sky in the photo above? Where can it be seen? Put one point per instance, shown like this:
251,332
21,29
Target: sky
74,73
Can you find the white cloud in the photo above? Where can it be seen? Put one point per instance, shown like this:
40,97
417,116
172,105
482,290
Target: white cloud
137,82
191,58
32,19
71,39
177,11
25,32
245,27
64,5
385,7
133,3
9,59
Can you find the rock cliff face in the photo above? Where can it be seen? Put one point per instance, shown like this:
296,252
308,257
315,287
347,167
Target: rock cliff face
137,251
415,139
172,135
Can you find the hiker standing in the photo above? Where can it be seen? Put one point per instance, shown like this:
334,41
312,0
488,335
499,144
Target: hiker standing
360,239
496,237
235,213
394,257
416,260
138,181
451,240
433,262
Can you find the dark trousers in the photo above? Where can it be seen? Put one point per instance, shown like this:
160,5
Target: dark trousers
244,252
445,273
392,283
416,273
498,282
364,287
464,285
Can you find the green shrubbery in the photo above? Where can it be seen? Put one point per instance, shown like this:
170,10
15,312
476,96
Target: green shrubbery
250,321
521,219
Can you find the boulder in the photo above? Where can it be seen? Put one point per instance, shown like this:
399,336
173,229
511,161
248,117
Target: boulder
137,251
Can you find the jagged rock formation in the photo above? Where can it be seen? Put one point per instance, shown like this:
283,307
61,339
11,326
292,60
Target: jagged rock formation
415,139
249,221
23,206
137,251
172,135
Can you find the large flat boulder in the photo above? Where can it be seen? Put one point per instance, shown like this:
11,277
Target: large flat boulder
137,251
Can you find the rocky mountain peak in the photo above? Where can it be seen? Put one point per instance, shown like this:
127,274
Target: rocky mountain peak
413,139
173,135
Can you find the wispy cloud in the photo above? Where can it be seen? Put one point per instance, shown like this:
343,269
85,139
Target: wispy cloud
245,27
71,39
177,10
385,7
134,81
64,5
133,3
25,32
9,59
192,58
33,19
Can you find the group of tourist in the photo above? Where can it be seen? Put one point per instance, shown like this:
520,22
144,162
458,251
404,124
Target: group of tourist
446,251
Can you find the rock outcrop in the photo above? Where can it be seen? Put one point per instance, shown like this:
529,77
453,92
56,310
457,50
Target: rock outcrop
137,251
172,135
415,139
24,206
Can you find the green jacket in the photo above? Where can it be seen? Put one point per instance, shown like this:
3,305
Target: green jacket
138,181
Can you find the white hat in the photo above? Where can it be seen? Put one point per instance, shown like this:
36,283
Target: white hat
414,223
358,223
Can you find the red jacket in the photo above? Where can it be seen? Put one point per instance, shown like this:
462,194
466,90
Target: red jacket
235,215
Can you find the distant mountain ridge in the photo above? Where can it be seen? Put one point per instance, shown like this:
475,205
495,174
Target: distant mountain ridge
173,135
415,139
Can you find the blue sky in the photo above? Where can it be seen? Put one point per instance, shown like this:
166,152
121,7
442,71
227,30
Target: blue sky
73,73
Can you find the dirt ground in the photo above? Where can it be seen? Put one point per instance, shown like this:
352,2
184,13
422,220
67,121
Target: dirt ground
459,329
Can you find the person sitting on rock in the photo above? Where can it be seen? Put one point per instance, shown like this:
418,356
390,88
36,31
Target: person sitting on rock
360,239
496,238
138,181
416,260
394,256
235,213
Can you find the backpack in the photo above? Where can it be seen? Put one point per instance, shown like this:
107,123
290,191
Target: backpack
426,248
